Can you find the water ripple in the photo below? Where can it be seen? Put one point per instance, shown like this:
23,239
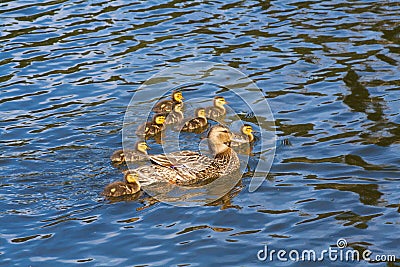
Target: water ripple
329,70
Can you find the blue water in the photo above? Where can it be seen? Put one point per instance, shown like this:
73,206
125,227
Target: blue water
330,73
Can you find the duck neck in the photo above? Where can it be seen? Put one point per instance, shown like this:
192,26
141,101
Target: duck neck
176,100
135,186
225,155
144,152
220,107
217,149
251,137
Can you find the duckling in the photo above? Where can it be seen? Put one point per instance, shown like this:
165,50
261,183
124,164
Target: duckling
138,154
189,168
152,128
245,137
167,105
129,186
217,110
176,115
198,123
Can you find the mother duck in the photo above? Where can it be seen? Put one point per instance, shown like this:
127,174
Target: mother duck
188,168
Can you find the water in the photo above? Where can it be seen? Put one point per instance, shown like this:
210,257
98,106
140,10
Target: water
68,69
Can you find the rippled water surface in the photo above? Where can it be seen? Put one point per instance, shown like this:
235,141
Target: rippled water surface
329,70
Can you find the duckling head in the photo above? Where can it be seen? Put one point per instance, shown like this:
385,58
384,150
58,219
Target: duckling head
247,129
177,96
219,101
219,139
178,108
118,156
201,112
132,179
142,147
159,118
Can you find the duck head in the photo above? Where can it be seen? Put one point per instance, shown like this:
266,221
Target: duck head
219,101
118,156
159,118
142,147
247,129
219,139
178,108
132,179
201,112
177,96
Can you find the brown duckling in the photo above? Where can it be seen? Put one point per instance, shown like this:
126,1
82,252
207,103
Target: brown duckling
244,137
167,105
217,110
152,128
175,116
198,123
129,186
138,154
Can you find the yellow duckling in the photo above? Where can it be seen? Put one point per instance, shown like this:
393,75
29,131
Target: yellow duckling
167,105
152,128
245,137
198,123
138,154
175,116
217,110
129,186
190,168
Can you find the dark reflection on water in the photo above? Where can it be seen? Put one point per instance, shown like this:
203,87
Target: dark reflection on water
330,70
